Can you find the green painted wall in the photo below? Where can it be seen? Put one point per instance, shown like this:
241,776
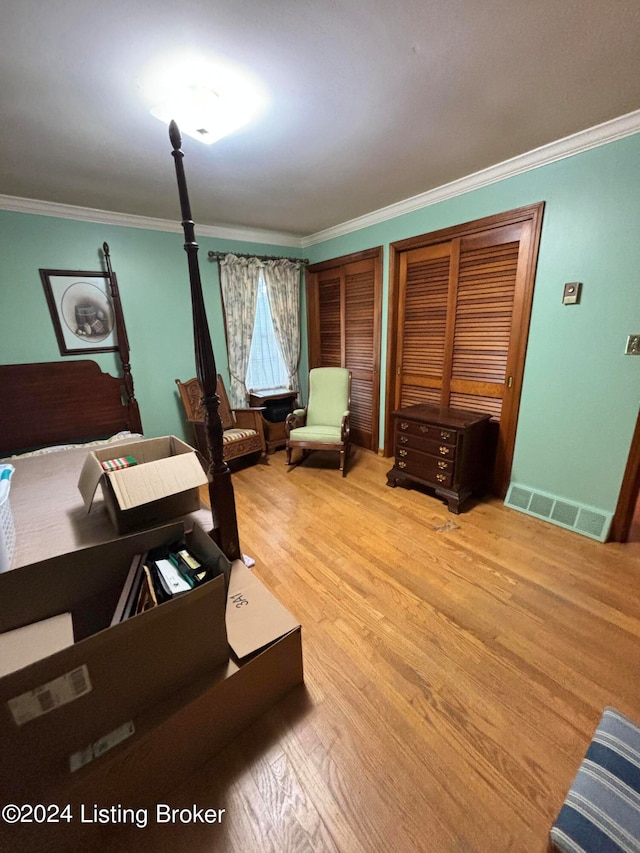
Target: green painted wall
581,393
151,267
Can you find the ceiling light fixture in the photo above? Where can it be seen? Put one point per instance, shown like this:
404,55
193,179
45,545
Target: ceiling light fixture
207,100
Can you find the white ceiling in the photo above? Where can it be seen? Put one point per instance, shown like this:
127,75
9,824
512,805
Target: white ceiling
371,101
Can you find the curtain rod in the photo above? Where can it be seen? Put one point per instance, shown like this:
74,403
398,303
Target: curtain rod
215,256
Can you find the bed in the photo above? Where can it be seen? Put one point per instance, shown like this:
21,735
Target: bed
49,515
73,402
58,411
61,403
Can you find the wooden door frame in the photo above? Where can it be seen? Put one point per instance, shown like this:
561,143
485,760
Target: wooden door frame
531,214
313,320
629,490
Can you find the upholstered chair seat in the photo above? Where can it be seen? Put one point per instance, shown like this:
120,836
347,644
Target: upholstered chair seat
315,433
243,432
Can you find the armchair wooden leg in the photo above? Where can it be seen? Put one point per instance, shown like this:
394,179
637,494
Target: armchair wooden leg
288,455
343,459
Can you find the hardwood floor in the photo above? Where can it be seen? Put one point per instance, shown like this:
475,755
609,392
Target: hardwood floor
455,668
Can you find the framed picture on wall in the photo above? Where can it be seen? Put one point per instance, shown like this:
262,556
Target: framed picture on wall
81,310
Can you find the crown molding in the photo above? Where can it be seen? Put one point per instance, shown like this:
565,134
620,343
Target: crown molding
593,137
105,217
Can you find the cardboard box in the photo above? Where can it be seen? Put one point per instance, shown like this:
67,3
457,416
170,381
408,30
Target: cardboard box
165,691
164,485
62,703
177,737
22,646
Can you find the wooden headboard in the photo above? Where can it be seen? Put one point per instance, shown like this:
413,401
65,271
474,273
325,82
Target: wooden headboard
61,402
68,402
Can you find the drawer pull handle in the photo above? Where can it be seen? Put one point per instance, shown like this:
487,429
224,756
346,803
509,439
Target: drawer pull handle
402,452
444,450
424,428
402,464
404,425
404,439
441,477
444,435
442,464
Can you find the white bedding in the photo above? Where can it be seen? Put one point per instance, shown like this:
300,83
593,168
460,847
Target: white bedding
125,435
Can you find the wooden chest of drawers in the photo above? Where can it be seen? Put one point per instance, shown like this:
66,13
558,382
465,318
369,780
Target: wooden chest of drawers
449,450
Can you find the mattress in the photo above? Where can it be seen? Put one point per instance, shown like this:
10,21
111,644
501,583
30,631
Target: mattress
48,513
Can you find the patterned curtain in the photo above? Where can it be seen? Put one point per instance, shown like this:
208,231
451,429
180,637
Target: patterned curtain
282,278
239,284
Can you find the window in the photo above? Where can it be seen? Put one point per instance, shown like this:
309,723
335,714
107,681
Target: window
266,371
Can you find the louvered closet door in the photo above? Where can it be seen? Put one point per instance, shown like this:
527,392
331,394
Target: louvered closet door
463,312
484,303
329,315
344,304
424,296
359,324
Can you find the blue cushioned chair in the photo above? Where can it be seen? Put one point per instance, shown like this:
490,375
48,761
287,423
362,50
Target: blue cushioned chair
324,424
601,813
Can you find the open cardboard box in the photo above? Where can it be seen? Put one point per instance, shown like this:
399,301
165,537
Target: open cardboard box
163,485
120,697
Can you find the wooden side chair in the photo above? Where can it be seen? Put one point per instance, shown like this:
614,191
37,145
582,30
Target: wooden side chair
324,424
243,431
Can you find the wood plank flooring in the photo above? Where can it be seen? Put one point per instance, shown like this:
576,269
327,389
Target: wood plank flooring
455,669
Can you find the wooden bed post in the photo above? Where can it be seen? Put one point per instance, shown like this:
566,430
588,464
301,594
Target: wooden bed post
123,343
223,505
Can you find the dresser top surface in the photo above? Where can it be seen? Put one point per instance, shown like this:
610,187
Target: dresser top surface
441,415
282,394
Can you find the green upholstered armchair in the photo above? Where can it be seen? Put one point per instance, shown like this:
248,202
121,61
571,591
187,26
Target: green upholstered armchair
324,424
